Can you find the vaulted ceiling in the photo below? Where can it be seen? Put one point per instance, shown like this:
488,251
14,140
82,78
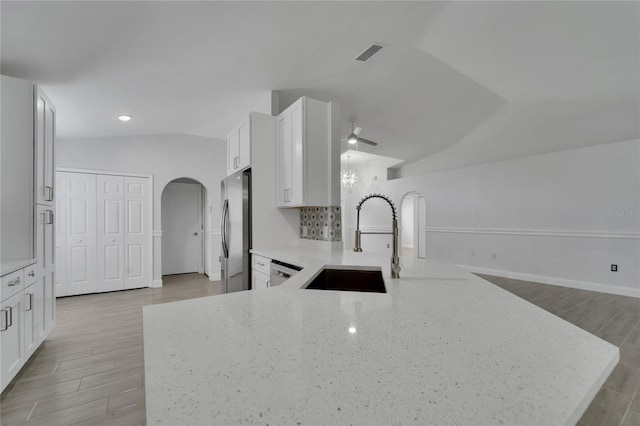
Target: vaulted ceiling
458,82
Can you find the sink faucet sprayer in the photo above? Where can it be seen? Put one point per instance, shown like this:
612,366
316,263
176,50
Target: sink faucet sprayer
395,260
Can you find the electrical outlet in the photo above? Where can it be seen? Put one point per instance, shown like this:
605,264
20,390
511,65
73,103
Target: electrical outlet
387,245
494,256
305,231
473,254
614,268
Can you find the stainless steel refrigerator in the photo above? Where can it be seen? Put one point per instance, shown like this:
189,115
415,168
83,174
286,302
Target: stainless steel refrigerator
236,231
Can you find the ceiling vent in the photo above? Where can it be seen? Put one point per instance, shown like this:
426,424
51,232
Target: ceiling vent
367,54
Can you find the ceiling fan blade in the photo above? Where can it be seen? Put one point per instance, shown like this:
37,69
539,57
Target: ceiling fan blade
357,131
367,141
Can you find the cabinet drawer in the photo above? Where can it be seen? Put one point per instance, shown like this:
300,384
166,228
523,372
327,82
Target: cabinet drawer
30,275
259,280
261,264
12,283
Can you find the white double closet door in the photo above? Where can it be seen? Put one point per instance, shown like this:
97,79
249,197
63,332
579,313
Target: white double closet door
103,234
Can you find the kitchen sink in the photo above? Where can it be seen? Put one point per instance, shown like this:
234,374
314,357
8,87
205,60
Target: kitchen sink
369,280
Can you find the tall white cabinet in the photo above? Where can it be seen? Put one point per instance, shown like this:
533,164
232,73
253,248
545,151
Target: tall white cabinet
103,236
27,249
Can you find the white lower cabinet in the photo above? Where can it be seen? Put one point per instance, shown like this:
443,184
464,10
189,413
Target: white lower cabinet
260,270
27,316
12,337
259,280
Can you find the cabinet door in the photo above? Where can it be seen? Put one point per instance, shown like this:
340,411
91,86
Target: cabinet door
48,313
283,131
81,233
259,280
244,145
110,233
233,151
45,127
31,334
45,238
61,234
137,230
291,144
11,338
296,194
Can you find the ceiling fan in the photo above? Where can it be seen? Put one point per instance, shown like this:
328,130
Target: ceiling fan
354,137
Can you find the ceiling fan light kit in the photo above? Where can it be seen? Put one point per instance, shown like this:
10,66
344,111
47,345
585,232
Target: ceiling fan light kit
354,137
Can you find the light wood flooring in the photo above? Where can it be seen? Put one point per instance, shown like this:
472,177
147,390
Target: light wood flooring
90,371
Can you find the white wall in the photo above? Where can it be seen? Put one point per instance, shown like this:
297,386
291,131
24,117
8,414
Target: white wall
166,157
561,218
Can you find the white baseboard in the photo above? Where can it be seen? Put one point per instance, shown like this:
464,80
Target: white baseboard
156,283
563,282
214,277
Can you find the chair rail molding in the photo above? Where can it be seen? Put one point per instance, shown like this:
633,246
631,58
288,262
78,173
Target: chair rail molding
538,232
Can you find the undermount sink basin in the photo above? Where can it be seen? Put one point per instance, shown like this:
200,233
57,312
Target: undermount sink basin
369,280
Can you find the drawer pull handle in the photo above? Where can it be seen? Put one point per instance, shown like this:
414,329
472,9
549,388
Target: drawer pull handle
30,302
5,320
10,309
32,273
14,282
261,264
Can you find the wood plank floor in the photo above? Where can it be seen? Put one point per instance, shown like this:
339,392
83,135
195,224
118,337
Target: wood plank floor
90,371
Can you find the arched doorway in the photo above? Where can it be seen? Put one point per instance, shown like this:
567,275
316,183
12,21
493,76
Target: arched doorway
183,248
413,225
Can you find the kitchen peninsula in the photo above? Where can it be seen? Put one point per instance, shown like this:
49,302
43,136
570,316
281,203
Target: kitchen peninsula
442,346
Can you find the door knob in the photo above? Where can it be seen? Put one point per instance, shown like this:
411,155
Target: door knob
195,233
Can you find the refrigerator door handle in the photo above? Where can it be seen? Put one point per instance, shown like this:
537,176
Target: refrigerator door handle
223,229
226,229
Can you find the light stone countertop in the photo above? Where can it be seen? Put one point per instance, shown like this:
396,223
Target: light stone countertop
9,266
441,347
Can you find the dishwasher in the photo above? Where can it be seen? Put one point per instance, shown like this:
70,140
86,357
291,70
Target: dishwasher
280,272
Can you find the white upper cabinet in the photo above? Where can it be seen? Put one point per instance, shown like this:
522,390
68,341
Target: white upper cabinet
307,154
239,147
45,131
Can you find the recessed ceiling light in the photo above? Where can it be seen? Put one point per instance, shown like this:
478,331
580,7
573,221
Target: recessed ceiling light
124,117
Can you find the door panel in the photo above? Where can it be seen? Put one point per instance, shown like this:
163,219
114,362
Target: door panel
137,229
112,263
81,235
136,260
110,233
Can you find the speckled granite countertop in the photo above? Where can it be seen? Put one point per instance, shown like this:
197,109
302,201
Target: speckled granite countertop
441,347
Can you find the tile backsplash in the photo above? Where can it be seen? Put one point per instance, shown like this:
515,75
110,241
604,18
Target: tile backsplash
321,223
